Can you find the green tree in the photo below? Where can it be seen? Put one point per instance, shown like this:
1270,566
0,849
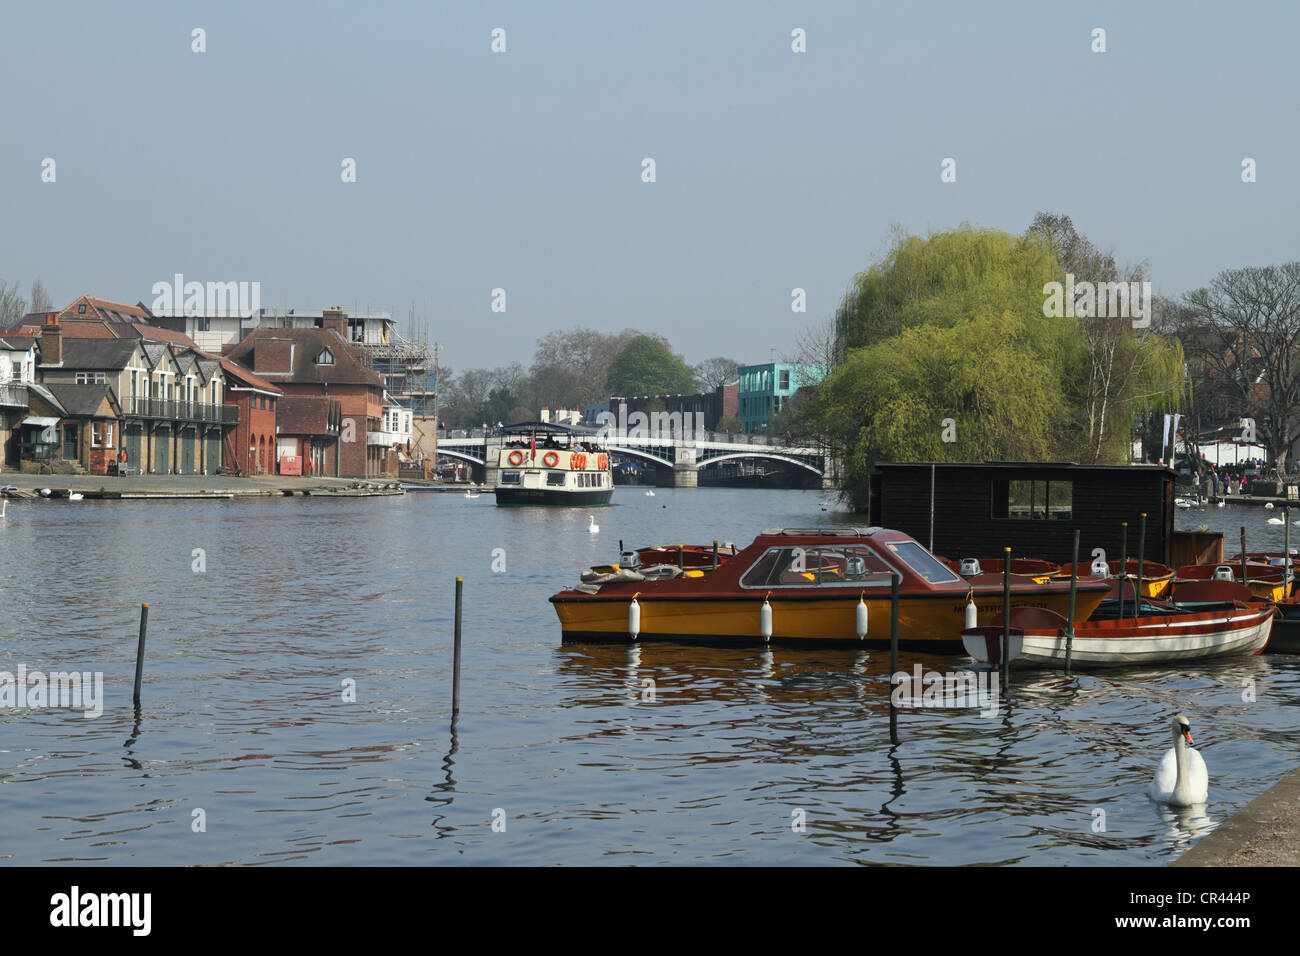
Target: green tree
647,366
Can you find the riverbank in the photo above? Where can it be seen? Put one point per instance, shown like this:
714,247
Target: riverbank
1266,832
193,486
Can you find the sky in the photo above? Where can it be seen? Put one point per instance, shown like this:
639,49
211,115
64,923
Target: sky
523,170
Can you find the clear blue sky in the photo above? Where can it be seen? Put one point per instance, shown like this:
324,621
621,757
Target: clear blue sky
523,170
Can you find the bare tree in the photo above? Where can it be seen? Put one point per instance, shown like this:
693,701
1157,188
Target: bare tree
12,305
40,298
713,372
1254,313
818,350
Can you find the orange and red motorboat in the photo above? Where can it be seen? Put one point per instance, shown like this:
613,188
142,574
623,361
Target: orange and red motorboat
804,586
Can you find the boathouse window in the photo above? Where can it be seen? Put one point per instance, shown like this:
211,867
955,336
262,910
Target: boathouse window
1033,500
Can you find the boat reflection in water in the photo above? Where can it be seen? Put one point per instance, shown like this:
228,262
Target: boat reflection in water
804,586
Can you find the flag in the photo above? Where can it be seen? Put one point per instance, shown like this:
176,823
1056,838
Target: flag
532,448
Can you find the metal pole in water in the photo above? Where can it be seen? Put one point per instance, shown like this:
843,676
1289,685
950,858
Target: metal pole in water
1074,583
715,554
1123,563
1243,557
139,651
679,556
1006,618
1287,576
455,680
1142,541
895,579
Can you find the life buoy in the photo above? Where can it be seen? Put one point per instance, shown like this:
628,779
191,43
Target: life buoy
602,462
550,459
577,461
122,456
516,457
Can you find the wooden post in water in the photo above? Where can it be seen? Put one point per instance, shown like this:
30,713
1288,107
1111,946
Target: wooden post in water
139,651
679,557
455,680
715,554
1123,563
895,580
1142,543
1074,583
1006,619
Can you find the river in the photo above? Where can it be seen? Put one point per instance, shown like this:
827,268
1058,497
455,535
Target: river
265,614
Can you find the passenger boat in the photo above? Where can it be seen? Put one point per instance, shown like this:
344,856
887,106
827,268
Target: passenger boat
1163,634
801,586
544,464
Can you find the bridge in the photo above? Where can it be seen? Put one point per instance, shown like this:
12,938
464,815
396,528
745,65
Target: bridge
681,457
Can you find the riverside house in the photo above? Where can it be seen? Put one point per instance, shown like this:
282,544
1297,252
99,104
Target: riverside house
331,419
162,402
17,374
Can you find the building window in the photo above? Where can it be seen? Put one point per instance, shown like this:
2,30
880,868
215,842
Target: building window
81,309
87,378
326,357
785,380
1033,500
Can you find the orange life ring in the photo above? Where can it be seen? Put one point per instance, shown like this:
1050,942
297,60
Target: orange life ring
516,457
602,462
550,459
577,461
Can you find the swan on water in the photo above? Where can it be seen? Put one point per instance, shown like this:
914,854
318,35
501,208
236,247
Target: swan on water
649,494
1276,521
592,527
1268,506
76,496
1220,504
1181,779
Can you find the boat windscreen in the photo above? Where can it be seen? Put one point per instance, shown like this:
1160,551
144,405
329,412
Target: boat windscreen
922,562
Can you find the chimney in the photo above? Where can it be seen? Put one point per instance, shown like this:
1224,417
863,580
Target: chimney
337,320
52,341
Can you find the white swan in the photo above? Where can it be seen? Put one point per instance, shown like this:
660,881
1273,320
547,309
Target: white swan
649,494
1276,521
1220,504
1268,506
76,496
592,527
1181,779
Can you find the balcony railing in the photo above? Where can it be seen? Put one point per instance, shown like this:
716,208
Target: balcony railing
13,395
175,411
386,439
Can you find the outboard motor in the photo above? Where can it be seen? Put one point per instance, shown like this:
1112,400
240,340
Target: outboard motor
1224,573
970,567
1099,569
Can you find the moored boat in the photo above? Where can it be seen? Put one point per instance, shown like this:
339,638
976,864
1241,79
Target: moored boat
1164,634
1156,577
802,586
1264,580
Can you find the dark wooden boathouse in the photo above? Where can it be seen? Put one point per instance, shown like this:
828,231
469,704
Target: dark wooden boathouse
1033,508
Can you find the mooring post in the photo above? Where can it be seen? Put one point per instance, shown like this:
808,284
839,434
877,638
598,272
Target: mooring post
1244,583
1142,543
895,580
1074,583
1287,578
139,651
1123,563
715,554
455,680
679,557
1006,619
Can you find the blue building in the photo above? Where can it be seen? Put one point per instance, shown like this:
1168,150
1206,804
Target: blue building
766,390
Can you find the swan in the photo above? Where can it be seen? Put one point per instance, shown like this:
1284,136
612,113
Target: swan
1276,521
76,496
1220,504
592,527
649,494
1181,779
1268,506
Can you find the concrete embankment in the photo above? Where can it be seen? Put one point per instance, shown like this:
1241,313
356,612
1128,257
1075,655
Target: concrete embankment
168,487
1266,832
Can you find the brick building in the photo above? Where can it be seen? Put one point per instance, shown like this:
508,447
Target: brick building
347,437
250,447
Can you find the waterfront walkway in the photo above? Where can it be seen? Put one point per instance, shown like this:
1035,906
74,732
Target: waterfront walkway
197,486
1266,832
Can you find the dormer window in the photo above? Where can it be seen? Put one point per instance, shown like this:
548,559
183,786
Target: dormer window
326,357
81,309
